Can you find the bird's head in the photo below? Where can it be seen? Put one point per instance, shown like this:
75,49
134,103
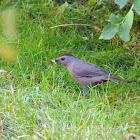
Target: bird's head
65,59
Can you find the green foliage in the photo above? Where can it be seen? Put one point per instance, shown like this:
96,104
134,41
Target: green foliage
109,31
120,24
136,3
121,3
115,19
137,6
126,26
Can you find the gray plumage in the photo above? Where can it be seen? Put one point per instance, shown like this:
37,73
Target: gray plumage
85,73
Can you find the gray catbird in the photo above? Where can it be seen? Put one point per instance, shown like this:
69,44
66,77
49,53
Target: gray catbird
85,73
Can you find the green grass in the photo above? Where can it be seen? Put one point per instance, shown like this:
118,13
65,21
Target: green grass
40,102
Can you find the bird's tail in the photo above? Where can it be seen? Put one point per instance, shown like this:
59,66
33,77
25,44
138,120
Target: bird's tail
119,79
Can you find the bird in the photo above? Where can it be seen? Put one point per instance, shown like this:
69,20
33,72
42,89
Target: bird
85,73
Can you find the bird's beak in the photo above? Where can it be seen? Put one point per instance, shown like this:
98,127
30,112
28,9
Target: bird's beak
53,61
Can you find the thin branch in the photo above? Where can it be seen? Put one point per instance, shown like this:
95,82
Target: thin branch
132,7
64,25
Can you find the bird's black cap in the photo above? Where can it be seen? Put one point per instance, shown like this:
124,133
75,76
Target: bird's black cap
66,54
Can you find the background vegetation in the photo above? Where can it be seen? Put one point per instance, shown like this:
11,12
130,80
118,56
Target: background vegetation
40,102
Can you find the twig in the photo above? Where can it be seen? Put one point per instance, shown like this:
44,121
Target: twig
132,7
64,25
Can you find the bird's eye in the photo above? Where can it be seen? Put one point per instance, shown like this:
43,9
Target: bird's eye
62,58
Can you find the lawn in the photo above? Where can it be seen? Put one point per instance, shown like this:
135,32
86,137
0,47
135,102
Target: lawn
40,102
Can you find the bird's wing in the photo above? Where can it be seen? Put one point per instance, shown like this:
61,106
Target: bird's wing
85,69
